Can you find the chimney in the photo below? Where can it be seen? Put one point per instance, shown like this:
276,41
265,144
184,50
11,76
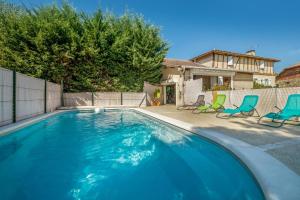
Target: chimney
251,52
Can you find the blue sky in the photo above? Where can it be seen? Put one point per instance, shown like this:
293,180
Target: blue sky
192,27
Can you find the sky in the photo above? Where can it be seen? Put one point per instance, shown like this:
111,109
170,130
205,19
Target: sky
192,27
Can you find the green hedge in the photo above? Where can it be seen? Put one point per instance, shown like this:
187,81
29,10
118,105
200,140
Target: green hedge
97,52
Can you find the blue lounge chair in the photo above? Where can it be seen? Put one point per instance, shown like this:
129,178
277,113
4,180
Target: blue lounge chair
247,108
289,112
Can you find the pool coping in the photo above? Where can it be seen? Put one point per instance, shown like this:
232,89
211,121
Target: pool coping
276,180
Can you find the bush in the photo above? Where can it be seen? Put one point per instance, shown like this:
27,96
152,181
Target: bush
260,86
88,52
220,87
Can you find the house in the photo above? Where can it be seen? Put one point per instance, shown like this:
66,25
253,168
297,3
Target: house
289,77
215,69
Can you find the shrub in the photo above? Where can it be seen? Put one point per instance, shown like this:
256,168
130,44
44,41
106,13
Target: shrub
87,52
260,86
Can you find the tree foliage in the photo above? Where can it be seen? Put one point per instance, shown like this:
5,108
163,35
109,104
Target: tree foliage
97,52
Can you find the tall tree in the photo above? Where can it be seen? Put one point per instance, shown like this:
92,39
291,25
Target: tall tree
99,52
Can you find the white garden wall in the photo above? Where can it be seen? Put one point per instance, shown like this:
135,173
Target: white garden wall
29,96
6,95
268,98
53,96
192,88
150,89
77,99
134,99
105,99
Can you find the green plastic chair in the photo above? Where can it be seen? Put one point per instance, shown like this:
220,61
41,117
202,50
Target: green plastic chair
289,112
217,105
247,108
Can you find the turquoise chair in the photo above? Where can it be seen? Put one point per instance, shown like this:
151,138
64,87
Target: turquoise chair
289,112
247,108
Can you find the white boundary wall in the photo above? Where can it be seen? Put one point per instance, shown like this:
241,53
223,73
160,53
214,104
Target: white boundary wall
268,98
77,99
107,98
53,96
30,96
192,88
6,93
150,89
134,99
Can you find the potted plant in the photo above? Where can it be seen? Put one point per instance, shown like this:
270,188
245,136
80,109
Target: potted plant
156,96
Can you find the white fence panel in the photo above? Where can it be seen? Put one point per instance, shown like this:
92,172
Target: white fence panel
150,89
268,98
78,99
283,94
134,99
192,89
53,96
107,98
6,93
30,96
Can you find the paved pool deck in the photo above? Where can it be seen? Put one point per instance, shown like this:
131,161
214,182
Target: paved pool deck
281,143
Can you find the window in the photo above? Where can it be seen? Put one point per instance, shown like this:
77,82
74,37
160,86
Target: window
261,81
230,61
262,65
266,82
220,80
196,77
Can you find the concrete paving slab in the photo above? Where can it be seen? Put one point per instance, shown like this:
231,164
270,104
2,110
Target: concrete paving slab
282,143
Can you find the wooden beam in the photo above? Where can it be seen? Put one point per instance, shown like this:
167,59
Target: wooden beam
238,60
213,64
223,62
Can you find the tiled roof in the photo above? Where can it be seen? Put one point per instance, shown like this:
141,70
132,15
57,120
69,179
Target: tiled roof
292,67
290,72
229,53
169,62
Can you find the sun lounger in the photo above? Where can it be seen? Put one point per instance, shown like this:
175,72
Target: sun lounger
247,108
290,112
200,102
216,106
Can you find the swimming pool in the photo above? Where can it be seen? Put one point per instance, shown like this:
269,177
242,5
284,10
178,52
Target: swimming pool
117,154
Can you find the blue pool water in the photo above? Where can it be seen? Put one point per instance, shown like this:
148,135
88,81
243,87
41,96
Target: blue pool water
117,155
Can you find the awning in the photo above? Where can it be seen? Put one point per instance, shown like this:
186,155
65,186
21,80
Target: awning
211,72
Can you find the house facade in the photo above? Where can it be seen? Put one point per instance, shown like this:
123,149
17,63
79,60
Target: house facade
216,70
289,77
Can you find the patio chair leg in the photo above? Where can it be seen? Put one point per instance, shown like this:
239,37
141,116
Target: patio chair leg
222,117
265,124
258,115
282,123
260,119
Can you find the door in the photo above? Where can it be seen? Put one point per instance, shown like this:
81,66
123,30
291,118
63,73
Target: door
170,94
